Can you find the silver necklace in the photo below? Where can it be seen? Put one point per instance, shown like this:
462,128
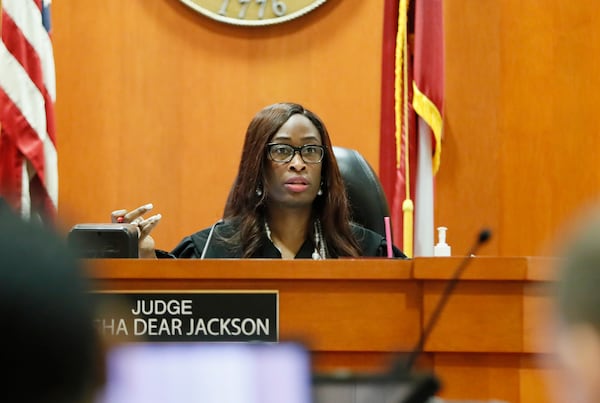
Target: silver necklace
319,242
320,247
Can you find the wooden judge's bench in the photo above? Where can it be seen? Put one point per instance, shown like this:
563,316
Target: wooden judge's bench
492,340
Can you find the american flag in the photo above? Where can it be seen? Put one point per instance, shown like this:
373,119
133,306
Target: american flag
28,159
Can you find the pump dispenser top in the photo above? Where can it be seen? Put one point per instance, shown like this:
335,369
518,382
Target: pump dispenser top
442,248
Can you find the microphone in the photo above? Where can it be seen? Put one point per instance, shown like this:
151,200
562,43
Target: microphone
209,238
399,383
403,367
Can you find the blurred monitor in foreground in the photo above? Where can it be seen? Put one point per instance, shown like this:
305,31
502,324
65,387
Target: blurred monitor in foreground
207,373
242,373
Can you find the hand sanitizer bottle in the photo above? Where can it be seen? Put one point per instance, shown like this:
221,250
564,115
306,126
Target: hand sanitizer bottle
442,248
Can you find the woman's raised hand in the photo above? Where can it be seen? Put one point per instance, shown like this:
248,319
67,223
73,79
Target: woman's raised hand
145,226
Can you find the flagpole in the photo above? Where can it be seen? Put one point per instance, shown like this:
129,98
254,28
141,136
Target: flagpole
424,224
401,109
408,207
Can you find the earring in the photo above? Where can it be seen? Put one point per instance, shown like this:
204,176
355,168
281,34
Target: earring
320,191
259,191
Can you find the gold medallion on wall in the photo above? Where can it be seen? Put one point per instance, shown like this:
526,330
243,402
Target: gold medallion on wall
253,12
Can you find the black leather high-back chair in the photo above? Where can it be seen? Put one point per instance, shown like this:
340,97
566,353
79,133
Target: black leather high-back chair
368,204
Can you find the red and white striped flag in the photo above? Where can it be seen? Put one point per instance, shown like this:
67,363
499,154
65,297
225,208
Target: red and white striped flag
28,159
411,118
427,102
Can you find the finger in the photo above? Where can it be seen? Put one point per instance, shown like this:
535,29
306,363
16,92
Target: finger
114,216
146,226
138,212
152,221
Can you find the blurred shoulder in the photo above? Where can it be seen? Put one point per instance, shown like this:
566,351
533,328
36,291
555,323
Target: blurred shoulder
218,237
373,244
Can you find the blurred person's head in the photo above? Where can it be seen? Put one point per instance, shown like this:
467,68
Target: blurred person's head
578,308
50,348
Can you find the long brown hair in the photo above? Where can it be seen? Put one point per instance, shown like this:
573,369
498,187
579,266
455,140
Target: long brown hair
248,208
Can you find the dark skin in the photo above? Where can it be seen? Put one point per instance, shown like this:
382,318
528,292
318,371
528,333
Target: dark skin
145,226
291,188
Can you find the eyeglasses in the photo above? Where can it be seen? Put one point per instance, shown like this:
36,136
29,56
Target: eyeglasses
310,153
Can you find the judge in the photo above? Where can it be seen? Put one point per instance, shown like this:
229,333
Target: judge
288,200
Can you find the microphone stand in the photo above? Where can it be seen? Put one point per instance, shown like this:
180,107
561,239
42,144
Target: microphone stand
404,367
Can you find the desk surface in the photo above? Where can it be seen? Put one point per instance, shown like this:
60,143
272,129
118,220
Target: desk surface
479,268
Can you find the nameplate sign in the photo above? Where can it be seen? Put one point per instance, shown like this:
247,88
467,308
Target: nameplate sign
215,316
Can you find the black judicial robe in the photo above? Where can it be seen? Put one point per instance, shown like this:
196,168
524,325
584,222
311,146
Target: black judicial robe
371,243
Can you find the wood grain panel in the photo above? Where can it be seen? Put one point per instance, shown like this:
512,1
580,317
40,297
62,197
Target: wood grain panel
357,314
467,194
491,377
479,376
479,316
154,100
550,62
538,309
520,126
537,373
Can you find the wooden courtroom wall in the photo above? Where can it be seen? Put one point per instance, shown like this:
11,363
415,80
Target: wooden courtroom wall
521,137
154,100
